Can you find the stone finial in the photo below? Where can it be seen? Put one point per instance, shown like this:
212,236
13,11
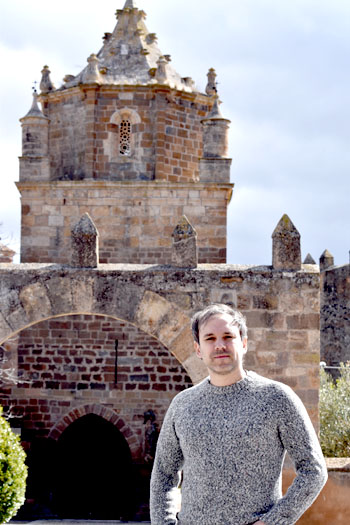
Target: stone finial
211,85
161,74
326,260
286,254
215,112
215,164
45,84
151,37
185,251
107,37
34,163
129,4
68,78
85,243
309,259
35,111
92,73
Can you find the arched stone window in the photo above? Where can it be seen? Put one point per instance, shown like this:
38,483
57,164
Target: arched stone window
123,136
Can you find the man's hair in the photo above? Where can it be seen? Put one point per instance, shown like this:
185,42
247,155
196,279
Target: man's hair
202,317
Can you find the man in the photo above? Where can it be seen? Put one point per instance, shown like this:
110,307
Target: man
229,435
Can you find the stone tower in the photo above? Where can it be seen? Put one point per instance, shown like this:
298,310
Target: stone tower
132,143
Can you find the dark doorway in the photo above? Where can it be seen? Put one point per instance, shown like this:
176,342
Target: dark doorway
94,471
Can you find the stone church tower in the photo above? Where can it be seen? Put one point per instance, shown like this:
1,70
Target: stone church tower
132,143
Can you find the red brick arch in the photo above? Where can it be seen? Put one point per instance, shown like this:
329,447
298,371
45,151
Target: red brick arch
102,411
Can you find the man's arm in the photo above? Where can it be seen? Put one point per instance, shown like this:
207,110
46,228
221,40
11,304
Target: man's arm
165,475
300,440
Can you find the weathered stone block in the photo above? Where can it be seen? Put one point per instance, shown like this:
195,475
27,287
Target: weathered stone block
185,251
286,253
85,243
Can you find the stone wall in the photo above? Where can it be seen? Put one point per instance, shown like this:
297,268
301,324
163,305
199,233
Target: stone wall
282,310
165,134
135,220
335,315
80,360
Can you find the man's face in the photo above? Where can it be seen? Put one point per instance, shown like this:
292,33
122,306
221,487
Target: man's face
221,349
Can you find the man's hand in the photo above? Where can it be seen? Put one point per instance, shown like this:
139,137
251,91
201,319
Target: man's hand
259,523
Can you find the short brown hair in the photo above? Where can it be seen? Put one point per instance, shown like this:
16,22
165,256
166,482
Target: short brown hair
202,316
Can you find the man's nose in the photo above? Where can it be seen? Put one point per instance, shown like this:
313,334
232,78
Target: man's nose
220,343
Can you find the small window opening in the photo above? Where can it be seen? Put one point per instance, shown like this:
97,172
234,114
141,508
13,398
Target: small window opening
125,138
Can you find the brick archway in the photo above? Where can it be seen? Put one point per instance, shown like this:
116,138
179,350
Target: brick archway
51,294
105,413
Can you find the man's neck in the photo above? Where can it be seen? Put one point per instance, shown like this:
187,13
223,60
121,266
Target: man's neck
227,380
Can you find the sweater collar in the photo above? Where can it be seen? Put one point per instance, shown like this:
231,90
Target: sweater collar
235,387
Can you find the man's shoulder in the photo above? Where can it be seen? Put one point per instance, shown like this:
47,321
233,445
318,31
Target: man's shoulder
190,394
271,386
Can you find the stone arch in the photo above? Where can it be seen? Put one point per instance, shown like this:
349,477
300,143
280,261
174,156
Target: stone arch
102,411
55,294
125,113
122,144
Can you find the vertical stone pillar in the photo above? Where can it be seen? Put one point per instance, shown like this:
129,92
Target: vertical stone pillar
326,260
34,162
286,253
85,243
215,166
185,251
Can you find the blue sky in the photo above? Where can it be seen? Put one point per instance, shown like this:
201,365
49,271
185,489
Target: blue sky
284,82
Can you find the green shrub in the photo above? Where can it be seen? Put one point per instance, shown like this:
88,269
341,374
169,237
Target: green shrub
335,413
13,472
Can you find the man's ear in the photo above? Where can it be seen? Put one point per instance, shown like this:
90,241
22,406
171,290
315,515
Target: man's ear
197,349
245,344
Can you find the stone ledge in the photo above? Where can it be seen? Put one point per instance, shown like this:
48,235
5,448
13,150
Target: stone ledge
149,184
338,464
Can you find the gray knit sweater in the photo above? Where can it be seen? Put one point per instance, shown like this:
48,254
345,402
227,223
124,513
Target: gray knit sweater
230,443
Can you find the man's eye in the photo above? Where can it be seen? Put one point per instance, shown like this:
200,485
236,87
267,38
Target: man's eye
210,339
228,337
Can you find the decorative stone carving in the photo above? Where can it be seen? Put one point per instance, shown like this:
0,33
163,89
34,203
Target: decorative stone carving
46,85
85,243
185,251
92,74
34,162
211,85
161,75
286,254
215,164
